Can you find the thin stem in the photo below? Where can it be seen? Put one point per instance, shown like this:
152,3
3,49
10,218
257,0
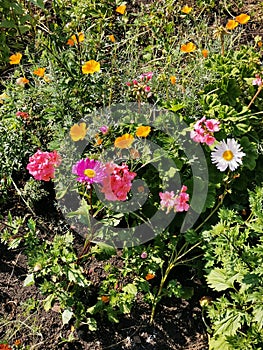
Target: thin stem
255,96
23,199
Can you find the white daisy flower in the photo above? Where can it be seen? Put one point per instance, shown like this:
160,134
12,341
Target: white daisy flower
227,154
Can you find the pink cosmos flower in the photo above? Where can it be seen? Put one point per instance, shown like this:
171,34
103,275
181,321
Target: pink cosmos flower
89,171
42,165
118,182
178,203
135,82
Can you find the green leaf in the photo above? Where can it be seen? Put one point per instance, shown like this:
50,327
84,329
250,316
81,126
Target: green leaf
29,281
92,324
130,289
258,315
67,316
7,24
219,280
229,324
47,303
38,3
219,343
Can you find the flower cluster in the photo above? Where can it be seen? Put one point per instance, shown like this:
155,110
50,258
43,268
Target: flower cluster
241,19
42,165
117,183
176,202
140,86
203,131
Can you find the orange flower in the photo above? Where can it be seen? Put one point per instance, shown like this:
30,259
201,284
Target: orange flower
205,53
98,140
76,39
121,9
16,58
186,9
173,79
17,342
40,72
243,18
231,24
143,131
124,141
259,43
90,67
149,276
112,39
187,48
22,81
78,131
105,299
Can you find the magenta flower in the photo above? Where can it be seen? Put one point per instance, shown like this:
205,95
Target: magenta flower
147,88
89,171
104,129
118,182
42,165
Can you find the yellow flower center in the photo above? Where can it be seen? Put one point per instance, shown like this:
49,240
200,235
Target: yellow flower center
228,155
90,173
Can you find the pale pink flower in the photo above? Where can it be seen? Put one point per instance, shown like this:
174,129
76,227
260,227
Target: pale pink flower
258,81
176,202
144,255
167,200
42,165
